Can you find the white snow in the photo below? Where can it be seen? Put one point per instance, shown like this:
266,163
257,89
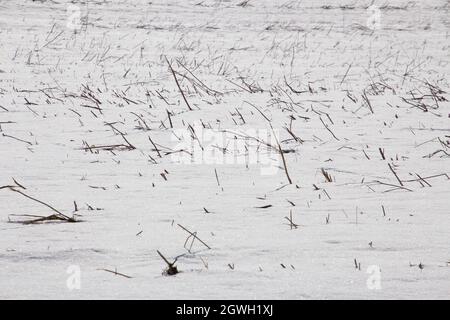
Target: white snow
324,50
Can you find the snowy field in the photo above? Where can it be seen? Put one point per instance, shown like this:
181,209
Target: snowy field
303,144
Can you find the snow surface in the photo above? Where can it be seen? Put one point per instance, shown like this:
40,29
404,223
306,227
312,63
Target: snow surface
324,50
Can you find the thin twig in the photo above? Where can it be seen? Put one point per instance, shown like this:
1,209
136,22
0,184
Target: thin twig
178,85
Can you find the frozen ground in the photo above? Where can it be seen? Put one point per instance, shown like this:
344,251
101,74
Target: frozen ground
345,89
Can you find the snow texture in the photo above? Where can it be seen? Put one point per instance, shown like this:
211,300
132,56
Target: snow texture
93,123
